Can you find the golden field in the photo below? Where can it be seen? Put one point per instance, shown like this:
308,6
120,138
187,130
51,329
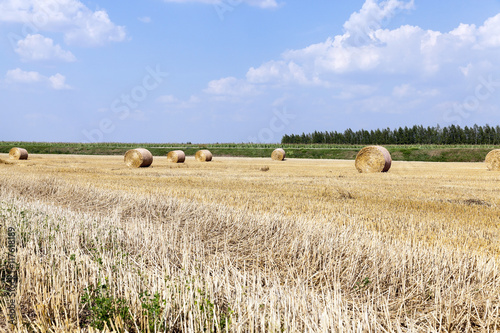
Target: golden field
241,244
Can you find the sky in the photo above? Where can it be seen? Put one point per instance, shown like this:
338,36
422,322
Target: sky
207,71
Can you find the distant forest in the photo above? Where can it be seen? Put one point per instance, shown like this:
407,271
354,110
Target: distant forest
453,134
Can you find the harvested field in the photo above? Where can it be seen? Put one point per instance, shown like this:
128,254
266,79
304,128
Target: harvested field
308,245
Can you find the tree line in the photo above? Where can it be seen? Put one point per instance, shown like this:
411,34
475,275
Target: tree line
453,134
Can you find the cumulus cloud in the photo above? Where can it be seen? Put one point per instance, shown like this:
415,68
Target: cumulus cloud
80,25
230,86
282,72
414,73
56,81
18,75
360,48
371,17
489,33
406,50
233,3
37,47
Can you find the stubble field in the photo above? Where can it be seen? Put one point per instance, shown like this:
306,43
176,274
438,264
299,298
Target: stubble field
242,244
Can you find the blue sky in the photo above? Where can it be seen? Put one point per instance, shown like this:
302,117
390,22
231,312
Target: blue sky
243,70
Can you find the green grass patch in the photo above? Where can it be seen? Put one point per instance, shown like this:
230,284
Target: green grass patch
427,153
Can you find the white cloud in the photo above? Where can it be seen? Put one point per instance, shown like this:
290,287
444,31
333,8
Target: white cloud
465,33
167,99
489,33
263,3
401,51
94,29
56,81
18,75
360,48
403,90
138,115
233,3
406,90
368,68
174,105
371,17
80,25
353,91
37,47
145,19
281,72
230,86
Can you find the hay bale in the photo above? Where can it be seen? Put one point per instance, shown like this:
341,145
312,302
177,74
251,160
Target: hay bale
278,154
373,159
493,160
176,156
203,155
138,158
18,154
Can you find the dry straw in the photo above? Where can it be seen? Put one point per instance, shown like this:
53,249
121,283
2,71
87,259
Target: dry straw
278,154
18,154
203,156
373,159
493,160
138,158
176,156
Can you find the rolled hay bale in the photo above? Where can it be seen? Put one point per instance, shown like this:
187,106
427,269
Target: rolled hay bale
278,154
176,156
373,159
18,154
493,160
203,155
138,158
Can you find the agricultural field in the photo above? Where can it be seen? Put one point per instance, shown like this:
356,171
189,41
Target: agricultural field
249,244
424,153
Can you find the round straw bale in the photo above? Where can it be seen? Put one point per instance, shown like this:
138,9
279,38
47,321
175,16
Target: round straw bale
203,155
138,158
278,154
373,159
176,156
493,160
18,154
